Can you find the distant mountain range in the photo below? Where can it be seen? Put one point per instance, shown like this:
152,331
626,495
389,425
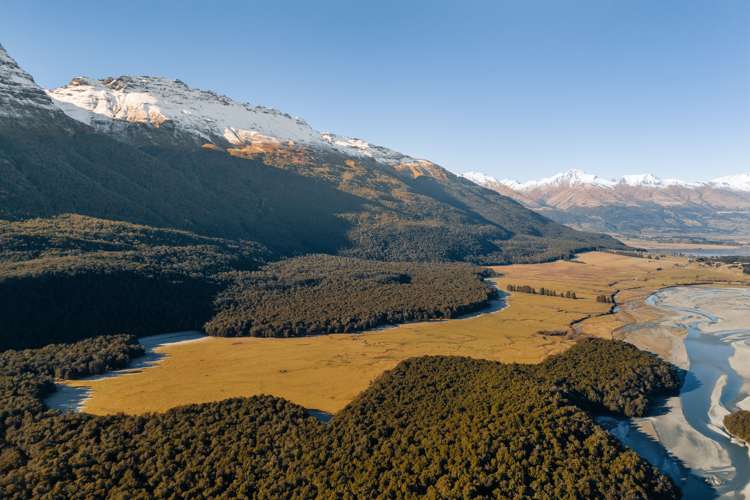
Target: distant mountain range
157,152
636,205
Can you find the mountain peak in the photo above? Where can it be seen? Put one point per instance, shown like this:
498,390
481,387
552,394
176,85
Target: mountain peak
569,178
640,180
576,176
20,96
579,178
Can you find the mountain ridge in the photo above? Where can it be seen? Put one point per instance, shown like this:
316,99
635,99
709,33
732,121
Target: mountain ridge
641,204
738,182
154,151
212,117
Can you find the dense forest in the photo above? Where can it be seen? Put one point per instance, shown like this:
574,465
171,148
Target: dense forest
72,277
319,294
91,276
435,426
738,424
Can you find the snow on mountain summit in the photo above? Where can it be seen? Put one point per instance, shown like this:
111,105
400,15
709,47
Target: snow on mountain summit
480,178
578,178
572,177
158,101
19,94
213,118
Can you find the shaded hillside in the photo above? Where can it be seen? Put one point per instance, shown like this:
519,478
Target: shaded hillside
362,208
437,426
71,277
690,220
427,213
48,170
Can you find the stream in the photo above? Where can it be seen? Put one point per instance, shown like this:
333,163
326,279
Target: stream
684,435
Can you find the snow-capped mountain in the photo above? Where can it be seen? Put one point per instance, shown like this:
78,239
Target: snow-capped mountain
154,151
740,182
20,96
571,177
112,104
630,203
580,179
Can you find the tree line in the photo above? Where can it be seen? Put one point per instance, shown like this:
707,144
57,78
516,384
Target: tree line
542,291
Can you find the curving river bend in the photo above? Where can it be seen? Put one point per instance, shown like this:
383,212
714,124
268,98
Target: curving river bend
685,436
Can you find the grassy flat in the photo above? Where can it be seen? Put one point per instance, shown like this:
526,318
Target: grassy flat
327,372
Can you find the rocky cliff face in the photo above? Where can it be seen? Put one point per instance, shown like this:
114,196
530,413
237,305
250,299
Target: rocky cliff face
20,97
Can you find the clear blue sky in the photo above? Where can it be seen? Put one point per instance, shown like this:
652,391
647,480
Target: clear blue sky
517,89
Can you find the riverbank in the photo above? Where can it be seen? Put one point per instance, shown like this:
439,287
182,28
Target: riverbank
708,330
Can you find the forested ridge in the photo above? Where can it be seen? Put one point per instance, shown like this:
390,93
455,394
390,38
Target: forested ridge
435,426
72,277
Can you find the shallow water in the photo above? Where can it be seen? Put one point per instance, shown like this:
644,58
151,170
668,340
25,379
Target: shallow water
685,437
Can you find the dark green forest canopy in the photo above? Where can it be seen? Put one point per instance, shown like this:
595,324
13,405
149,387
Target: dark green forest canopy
72,277
437,426
320,294
67,243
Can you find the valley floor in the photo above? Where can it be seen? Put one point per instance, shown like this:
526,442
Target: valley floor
327,372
